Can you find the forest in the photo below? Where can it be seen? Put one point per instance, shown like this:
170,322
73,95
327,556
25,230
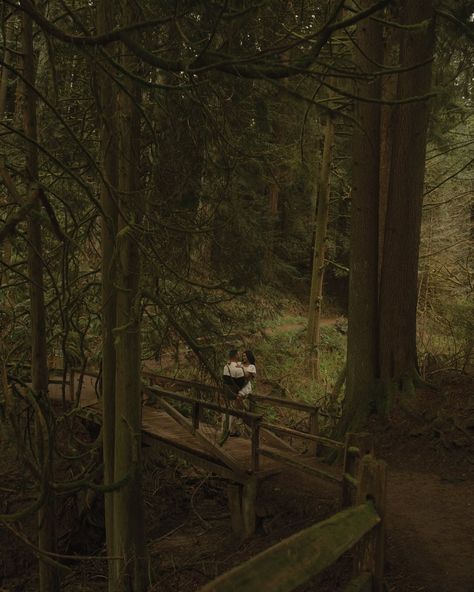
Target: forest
236,295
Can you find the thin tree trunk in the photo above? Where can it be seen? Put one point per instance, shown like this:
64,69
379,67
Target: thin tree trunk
362,343
128,500
269,255
6,245
317,276
398,286
7,59
49,577
274,191
108,161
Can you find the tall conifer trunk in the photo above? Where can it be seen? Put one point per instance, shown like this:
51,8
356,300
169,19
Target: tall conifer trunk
383,293
362,345
108,197
128,500
399,275
48,575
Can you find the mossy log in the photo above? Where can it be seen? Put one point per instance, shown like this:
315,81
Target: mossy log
298,558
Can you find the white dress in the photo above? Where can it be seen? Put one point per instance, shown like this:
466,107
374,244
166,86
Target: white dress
252,371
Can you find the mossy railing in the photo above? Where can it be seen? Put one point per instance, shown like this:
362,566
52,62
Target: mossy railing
304,555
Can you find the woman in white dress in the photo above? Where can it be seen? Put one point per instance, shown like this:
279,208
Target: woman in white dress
250,372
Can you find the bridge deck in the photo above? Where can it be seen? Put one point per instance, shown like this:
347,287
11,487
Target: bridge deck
162,431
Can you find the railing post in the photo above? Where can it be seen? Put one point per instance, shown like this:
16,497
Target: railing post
314,430
196,415
252,403
356,446
71,384
255,441
369,553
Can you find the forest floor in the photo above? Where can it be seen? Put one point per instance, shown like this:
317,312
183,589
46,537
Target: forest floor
429,448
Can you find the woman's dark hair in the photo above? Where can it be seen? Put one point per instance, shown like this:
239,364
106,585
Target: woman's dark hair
250,356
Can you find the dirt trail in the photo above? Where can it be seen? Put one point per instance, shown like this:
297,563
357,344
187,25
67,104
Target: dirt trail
430,526
298,326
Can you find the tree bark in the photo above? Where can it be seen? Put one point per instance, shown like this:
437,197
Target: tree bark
362,344
6,245
108,197
399,274
48,575
128,500
317,275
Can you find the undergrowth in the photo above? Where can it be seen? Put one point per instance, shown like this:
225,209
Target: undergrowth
282,360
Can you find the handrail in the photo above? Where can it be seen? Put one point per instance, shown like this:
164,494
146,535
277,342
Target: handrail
300,557
304,435
206,404
296,405
279,401
85,372
191,383
297,464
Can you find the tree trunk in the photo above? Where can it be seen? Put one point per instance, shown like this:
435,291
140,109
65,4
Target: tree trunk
317,276
49,577
6,245
128,500
399,274
108,197
269,254
7,59
362,346
388,92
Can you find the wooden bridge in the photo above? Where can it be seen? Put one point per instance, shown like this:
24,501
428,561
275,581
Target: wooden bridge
185,418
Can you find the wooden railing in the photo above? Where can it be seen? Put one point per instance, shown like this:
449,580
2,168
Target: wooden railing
194,385
256,400
194,424
297,559
255,421
257,425
359,526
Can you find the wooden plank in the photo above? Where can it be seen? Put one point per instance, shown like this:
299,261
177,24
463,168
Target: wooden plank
203,439
234,497
314,431
350,479
369,554
191,383
159,392
196,416
356,446
279,402
299,465
197,458
202,459
277,442
249,518
298,558
362,583
304,435
255,443
86,372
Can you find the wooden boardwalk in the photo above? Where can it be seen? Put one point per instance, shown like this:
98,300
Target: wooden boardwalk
162,431
186,425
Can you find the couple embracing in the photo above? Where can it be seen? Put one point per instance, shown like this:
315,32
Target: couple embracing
238,374
237,377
